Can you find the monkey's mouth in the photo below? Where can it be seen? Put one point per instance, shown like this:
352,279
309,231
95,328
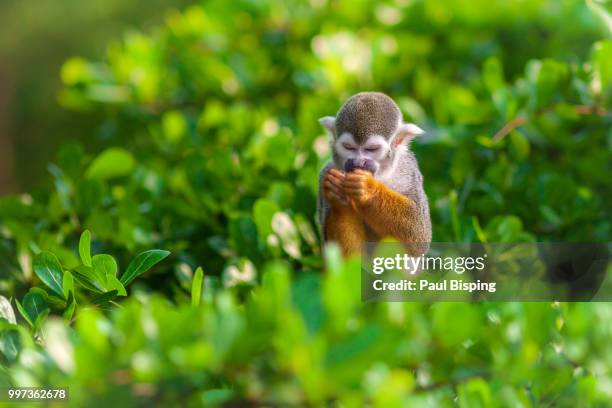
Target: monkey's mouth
364,164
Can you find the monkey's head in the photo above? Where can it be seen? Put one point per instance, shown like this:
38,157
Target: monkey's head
367,132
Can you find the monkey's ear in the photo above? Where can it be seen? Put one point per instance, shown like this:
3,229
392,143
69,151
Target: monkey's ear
329,123
407,132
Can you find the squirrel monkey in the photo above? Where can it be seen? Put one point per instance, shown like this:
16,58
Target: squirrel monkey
373,187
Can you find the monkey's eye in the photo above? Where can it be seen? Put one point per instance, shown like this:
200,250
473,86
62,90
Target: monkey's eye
348,146
372,149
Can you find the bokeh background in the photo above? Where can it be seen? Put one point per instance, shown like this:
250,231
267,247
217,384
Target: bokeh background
192,127
35,39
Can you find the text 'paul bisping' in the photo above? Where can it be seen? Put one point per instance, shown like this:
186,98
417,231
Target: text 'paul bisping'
425,285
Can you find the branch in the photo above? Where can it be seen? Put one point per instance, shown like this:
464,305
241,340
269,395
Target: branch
521,120
509,127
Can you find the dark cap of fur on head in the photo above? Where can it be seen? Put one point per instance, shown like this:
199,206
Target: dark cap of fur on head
368,113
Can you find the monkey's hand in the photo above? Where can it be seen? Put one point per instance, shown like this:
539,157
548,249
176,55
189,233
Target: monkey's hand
332,188
360,186
343,225
384,210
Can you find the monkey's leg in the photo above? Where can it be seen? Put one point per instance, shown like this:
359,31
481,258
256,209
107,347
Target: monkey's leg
345,227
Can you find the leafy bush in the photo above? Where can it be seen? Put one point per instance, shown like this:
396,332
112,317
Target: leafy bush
213,154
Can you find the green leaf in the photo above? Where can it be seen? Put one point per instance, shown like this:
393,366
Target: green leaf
86,277
474,393
546,79
68,284
33,305
113,162
24,313
286,230
75,70
602,56
85,248
196,287
601,11
47,267
104,266
104,297
519,145
114,284
142,263
454,323
263,212
482,237
509,228
492,74
70,307
41,318
55,302
174,126
10,344
6,310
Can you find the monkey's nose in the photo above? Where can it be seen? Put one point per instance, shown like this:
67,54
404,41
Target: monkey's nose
370,166
349,165
361,163
365,164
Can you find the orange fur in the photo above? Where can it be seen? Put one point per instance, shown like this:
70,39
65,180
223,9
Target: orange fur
345,227
387,212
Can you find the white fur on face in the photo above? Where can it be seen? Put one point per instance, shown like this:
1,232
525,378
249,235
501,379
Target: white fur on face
375,148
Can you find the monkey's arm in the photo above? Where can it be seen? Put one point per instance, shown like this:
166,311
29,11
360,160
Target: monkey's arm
338,218
387,212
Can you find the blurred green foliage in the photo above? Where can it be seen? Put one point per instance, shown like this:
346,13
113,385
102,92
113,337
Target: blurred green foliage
214,152
35,38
